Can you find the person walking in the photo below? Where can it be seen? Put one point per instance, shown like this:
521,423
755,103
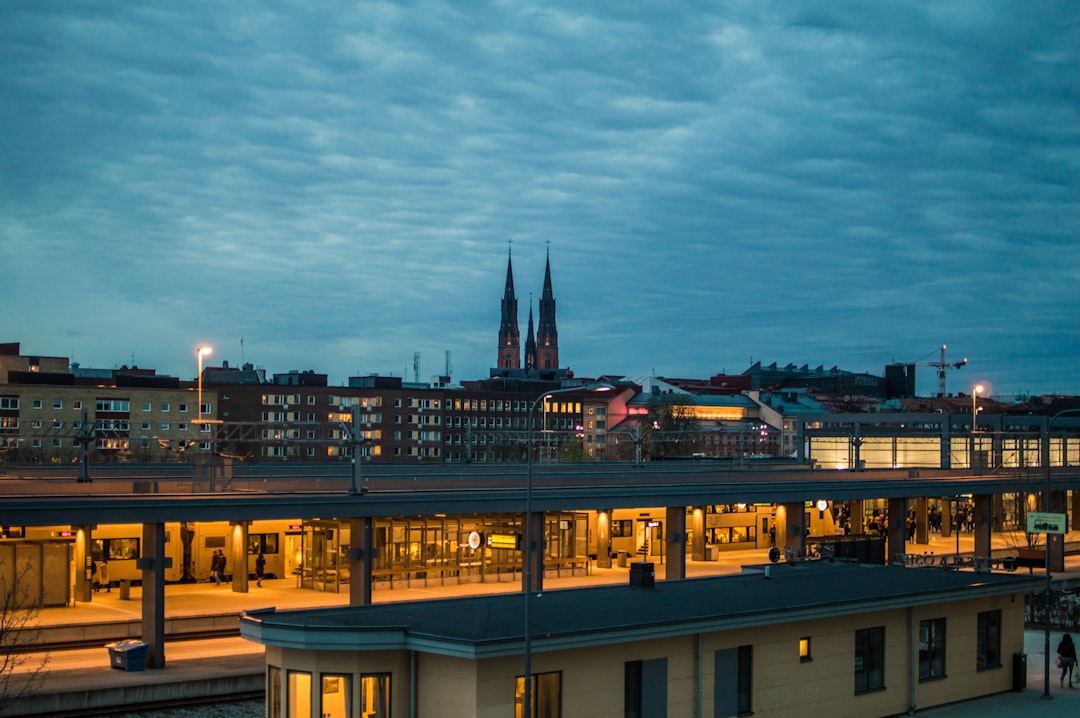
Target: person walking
103,575
215,567
221,567
260,566
1066,651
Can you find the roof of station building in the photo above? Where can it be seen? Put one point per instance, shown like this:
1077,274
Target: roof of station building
493,625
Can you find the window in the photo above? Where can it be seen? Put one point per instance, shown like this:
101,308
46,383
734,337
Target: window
58,404
182,408
146,406
9,402
931,649
869,659
335,700
36,403
745,679
273,692
164,427
546,695
645,688
988,642
804,649
375,695
165,408
298,695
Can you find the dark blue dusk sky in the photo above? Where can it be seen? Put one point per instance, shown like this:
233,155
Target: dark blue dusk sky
840,184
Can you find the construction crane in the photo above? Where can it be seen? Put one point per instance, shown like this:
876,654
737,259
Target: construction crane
942,366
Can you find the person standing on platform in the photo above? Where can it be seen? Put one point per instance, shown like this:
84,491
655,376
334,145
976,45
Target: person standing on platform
215,567
221,567
1066,651
103,576
260,566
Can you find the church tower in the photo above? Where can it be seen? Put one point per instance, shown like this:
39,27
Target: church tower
547,336
530,342
509,337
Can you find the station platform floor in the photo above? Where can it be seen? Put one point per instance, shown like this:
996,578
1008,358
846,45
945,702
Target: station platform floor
89,669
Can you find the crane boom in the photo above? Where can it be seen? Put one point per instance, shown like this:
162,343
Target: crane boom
942,366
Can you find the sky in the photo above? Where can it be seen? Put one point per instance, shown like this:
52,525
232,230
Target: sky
335,186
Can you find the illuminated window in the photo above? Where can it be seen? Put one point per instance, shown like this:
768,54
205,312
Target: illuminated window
375,695
335,696
546,695
273,692
298,695
804,649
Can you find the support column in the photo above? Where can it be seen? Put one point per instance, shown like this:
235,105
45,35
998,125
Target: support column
984,524
896,540
675,546
1057,541
603,538
84,560
535,574
948,517
238,559
856,509
922,521
946,439
362,554
697,531
790,529
153,565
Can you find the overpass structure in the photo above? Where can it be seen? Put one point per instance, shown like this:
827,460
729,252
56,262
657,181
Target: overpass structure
154,495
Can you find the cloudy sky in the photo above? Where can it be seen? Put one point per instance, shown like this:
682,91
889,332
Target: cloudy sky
335,184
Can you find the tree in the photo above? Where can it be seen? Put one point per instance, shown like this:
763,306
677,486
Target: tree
20,670
671,428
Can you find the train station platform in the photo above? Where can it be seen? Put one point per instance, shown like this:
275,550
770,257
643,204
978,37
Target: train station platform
83,682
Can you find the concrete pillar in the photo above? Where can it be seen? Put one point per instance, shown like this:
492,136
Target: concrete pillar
675,545
535,574
895,542
946,440
790,527
984,524
697,531
858,521
922,521
153,565
238,556
84,560
1057,541
361,555
603,538
948,518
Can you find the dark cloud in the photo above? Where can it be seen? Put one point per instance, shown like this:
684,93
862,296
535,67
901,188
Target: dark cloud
845,185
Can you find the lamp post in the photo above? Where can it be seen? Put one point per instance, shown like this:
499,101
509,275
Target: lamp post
1049,584
202,351
527,554
975,391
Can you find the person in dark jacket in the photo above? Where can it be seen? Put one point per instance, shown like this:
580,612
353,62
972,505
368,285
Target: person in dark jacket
260,567
1066,651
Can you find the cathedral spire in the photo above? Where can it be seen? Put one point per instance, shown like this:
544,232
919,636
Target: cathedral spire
547,336
509,336
530,342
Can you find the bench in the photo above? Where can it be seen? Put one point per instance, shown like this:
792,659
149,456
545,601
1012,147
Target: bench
1031,559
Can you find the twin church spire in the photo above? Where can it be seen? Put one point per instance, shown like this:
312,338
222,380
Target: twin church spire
541,351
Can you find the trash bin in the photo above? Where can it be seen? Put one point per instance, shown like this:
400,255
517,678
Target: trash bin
712,553
1019,676
622,559
125,589
128,655
642,574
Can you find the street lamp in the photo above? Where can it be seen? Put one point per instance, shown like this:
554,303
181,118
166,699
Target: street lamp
527,558
975,391
201,352
1049,584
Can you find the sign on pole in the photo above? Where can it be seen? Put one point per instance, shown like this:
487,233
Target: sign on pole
1041,522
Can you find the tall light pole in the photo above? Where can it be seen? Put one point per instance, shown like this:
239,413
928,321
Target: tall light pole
527,554
204,350
975,391
1049,584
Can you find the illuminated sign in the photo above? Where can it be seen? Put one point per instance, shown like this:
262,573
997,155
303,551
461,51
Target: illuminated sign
507,541
1040,522
474,540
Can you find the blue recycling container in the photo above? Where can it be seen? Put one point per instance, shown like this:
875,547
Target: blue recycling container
128,655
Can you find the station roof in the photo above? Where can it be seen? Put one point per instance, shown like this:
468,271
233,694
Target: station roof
493,626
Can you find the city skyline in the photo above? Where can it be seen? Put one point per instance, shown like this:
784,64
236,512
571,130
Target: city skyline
845,186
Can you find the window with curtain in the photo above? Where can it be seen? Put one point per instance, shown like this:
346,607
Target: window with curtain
273,692
375,695
336,693
546,696
298,694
